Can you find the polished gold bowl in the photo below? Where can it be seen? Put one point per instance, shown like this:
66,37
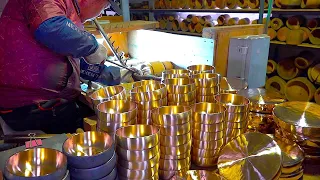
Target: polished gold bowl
208,113
149,105
163,174
195,69
236,125
145,114
207,80
144,83
175,140
209,127
134,155
204,162
190,96
181,156
117,111
180,85
234,103
203,175
139,165
175,73
174,164
209,99
176,150
171,115
237,117
137,137
42,163
214,144
137,174
205,153
174,130
108,93
112,127
207,136
149,92
207,91
181,103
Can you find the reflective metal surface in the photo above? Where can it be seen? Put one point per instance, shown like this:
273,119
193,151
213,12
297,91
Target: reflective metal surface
36,163
292,154
206,153
263,123
148,92
171,115
207,80
139,165
195,69
117,111
175,73
208,113
112,175
208,91
209,99
148,105
137,174
250,156
209,127
232,85
175,140
108,93
215,144
234,103
204,162
135,155
203,175
143,83
163,174
180,156
174,130
176,150
180,85
190,96
112,127
207,136
174,164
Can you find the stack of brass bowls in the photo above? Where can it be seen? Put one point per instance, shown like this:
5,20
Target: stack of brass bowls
250,156
236,115
175,139
232,85
262,103
91,155
181,91
148,97
299,122
174,73
203,175
36,163
207,133
207,85
196,69
138,152
114,114
144,83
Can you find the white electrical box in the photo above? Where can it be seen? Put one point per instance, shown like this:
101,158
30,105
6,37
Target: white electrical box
248,58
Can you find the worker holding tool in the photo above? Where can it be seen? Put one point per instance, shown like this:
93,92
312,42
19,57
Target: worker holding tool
41,45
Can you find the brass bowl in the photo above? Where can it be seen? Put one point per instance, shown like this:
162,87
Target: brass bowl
205,153
234,103
139,165
175,140
209,127
208,113
195,69
171,115
215,144
108,93
88,149
179,85
149,105
237,117
163,174
208,91
236,125
175,73
144,121
144,155
148,92
181,156
174,130
137,137
112,127
207,136
209,99
203,174
144,83
176,150
145,114
36,163
174,164
207,80
204,162
190,96
232,85
137,174
117,111
181,103
230,133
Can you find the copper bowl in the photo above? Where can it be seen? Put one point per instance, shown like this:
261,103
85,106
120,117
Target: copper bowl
108,93
149,92
139,165
180,156
175,140
190,96
209,99
180,85
204,162
207,136
195,69
117,111
176,150
171,115
36,163
214,144
207,80
137,174
149,105
174,130
145,114
134,155
236,125
112,127
174,164
137,137
88,149
234,103
175,73
144,83
209,127
208,91
208,113
205,153
237,117
144,121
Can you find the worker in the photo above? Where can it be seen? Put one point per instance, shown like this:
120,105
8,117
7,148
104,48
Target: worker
41,44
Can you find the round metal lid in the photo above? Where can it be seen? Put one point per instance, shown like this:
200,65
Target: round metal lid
292,154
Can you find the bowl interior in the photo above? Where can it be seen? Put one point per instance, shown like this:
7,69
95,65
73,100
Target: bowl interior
172,110
200,68
136,131
107,92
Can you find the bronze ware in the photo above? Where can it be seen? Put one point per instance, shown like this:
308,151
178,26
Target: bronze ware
108,93
195,69
175,140
174,164
209,99
204,162
180,85
143,83
135,155
203,175
148,92
207,136
175,73
209,127
207,91
171,115
234,103
190,96
139,165
207,80
205,153
176,150
174,130
215,144
117,111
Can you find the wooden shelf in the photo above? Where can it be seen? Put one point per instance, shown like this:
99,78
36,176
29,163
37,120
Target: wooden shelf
300,45
180,32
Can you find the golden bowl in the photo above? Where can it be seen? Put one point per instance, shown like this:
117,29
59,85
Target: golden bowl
195,69
215,144
208,127
42,163
171,115
88,149
207,91
144,83
208,113
149,105
149,92
174,164
205,153
163,174
203,174
112,127
207,80
144,121
232,85
204,162
176,150
137,137
181,103
237,117
174,130
179,85
236,125
231,133
209,99
117,111
175,140
207,136
139,165
144,155
145,114
181,156
175,73
137,174
234,103
108,93
190,96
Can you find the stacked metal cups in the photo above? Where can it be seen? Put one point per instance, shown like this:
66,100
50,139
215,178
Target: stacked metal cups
138,152
196,69
236,114
181,91
207,133
114,114
207,86
148,97
175,73
175,139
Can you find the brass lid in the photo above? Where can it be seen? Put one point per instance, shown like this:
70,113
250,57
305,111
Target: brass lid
292,154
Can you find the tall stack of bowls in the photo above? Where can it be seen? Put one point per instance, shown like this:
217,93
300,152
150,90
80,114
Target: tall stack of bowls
232,85
144,83
148,97
207,86
236,115
250,156
175,139
207,133
91,155
114,114
36,163
175,73
181,91
138,152
299,122
196,69
203,175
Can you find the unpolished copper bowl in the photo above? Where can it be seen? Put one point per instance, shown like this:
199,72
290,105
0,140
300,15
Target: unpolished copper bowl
175,73
108,93
139,165
175,140
174,164
144,83
137,137
36,163
207,80
174,130
208,91
195,69
171,115
117,111
134,155
149,92
208,113
180,85
190,96
234,103
214,144
88,149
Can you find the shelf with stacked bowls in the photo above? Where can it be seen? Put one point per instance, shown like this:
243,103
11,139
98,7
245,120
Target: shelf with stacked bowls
114,114
208,133
196,69
175,73
148,97
232,85
181,91
207,86
237,110
138,152
174,123
91,155
37,163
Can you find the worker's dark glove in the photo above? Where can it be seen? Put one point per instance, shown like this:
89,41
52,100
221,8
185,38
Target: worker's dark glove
90,72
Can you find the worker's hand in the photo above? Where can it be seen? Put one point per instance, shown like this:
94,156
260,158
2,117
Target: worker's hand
98,57
146,69
126,75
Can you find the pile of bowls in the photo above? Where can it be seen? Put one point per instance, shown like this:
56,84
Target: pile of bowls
207,86
236,115
138,152
114,114
175,73
181,91
203,175
175,139
37,163
91,155
196,69
148,97
207,133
